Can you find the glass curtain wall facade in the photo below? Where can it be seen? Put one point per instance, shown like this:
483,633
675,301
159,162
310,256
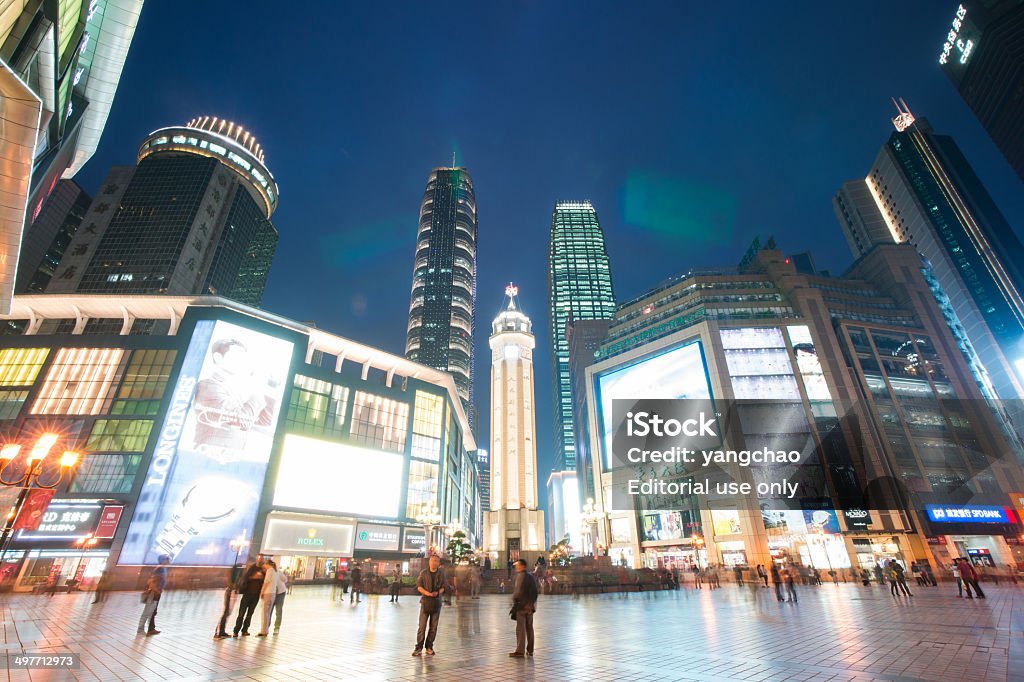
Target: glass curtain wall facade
193,217
579,288
440,331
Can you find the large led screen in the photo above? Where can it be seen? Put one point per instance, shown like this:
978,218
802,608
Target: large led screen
204,481
319,475
676,374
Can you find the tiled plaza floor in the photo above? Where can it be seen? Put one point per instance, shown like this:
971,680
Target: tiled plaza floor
834,633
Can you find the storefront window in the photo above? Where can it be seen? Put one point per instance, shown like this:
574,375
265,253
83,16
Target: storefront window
427,424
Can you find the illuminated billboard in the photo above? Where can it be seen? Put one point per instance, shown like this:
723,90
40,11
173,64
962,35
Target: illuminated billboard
206,475
676,374
319,475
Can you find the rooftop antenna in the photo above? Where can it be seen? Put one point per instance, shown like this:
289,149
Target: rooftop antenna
904,119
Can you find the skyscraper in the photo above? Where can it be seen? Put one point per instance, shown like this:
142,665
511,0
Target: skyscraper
49,235
925,193
579,288
440,331
192,217
514,524
60,63
983,55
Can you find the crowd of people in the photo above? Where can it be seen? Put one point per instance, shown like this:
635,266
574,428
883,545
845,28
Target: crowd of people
262,587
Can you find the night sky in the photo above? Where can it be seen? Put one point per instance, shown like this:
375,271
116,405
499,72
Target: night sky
692,127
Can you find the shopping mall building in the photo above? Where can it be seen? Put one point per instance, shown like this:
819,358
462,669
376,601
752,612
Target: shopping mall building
208,431
905,457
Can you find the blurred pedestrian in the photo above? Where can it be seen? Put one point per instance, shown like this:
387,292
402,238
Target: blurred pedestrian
970,578
430,585
155,585
762,574
897,579
355,577
284,588
777,581
250,587
396,584
524,605
268,595
791,584
233,582
102,585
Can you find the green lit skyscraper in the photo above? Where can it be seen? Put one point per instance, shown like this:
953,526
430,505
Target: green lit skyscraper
579,288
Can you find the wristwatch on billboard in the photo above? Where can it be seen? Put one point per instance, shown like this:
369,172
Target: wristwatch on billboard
208,501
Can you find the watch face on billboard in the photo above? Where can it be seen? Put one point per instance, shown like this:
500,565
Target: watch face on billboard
676,374
206,475
324,476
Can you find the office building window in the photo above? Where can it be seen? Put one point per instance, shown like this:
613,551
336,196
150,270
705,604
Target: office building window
119,435
20,366
379,422
80,381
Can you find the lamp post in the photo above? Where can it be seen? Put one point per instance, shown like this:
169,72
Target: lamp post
429,517
592,516
238,544
31,478
824,548
698,544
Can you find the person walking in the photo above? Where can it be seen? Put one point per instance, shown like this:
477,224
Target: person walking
474,582
155,585
251,586
396,584
356,576
791,584
284,588
430,585
777,581
508,569
268,595
524,605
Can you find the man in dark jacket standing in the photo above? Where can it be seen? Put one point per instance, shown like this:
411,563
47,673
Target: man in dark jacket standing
524,604
430,585
252,585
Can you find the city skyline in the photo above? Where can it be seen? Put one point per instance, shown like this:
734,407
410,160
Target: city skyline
716,156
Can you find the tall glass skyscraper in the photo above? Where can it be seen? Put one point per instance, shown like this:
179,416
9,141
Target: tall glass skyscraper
440,332
192,217
983,55
923,190
579,288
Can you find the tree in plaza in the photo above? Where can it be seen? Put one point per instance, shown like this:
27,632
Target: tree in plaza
458,549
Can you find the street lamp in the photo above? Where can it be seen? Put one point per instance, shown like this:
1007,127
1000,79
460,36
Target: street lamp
824,548
429,517
31,478
591,517
238,544
698,544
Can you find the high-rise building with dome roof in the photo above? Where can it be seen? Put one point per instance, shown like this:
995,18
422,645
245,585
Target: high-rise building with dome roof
193,216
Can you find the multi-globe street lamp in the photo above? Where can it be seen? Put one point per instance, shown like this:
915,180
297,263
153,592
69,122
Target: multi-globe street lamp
32,477
591,517
429,517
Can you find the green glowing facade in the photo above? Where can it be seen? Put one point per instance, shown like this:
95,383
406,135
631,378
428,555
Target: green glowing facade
579,288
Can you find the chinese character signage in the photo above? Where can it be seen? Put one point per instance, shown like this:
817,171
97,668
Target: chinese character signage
63,520
206,475
966,514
